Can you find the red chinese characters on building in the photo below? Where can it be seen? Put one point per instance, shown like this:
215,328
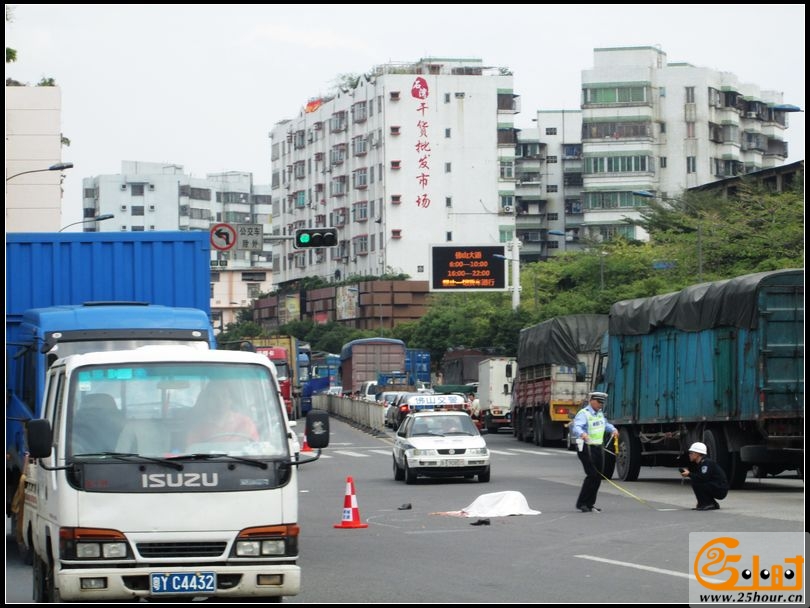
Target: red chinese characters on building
421,91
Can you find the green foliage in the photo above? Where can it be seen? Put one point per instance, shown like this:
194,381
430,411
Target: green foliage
46,82
753,231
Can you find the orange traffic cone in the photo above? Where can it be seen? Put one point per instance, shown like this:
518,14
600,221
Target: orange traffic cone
305,447
351,513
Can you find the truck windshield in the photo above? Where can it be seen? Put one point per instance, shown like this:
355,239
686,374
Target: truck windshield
171,409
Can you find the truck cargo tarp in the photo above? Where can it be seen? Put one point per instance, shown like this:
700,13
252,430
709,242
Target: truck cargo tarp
558,340
728,303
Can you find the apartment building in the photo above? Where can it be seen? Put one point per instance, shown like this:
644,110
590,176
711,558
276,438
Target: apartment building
660,128
407,156
149,196
33,195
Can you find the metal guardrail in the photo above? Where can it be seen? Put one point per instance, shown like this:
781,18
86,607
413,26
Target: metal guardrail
367,414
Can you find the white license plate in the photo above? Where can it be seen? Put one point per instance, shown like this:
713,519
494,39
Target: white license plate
182,582
454,463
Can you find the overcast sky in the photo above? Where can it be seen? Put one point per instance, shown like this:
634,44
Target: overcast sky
202,85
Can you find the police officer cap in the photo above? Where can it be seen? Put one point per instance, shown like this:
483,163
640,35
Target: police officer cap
600,397
698,448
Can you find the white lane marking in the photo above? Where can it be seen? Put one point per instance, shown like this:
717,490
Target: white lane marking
641,567
383,452
534,452
349,453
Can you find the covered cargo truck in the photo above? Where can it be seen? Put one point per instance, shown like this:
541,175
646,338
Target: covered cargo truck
719,362
557,362
365,359
70,293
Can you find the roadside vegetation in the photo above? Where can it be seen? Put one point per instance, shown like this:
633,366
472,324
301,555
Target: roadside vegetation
702,237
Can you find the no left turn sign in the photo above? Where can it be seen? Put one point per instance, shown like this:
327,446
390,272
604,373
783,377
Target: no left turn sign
223,237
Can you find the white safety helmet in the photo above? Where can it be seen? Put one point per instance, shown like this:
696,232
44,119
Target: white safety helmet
698,448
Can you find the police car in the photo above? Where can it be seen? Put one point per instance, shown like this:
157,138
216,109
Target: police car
439,443
407,403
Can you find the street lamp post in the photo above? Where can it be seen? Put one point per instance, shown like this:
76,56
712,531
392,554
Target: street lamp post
98,218
699,244
56,167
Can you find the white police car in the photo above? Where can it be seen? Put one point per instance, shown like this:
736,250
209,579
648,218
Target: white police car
434,443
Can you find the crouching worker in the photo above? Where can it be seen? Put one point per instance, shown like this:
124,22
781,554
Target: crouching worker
709,482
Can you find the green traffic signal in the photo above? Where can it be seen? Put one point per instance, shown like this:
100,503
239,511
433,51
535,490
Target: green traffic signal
315,237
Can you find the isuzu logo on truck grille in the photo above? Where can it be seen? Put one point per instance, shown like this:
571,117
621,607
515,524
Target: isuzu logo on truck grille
179,480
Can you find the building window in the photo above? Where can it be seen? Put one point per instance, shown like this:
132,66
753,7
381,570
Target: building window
551,131
394,95
254,276
448,201
448,236
448,167
691,164
552,217
690,130
551,159
394,130
396,164
137,209
663,127
690,94
137,190
507,169
662,162
396,199
137,229
551,188
662,92
447,98
396,233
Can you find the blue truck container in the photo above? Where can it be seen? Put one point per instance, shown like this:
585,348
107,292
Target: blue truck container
719,362
79,292
417,365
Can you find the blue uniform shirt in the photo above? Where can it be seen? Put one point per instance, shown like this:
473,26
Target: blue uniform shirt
581,422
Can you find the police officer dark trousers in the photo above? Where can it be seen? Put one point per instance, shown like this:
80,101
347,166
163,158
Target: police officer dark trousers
589,428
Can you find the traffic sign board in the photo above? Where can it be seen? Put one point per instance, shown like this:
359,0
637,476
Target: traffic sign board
223,237
250,237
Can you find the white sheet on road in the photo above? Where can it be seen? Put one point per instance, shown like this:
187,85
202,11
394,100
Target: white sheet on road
497,504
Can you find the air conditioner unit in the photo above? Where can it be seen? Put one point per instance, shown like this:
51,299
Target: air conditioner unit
507,209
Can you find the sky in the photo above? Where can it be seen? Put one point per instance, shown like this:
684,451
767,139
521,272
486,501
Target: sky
202,85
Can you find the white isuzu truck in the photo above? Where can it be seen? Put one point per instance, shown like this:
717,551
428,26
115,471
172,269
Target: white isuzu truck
165,473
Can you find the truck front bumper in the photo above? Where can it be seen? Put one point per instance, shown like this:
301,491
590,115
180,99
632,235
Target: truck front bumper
236,581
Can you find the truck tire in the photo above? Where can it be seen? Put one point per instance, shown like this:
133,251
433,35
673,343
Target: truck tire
38,580
628,460
718,450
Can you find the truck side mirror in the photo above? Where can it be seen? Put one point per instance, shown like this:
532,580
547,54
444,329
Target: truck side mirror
39,437
316,429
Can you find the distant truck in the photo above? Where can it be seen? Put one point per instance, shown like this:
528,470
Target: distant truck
496,377
165,473
292,358
69,292
365,359
719,362
460,366
557,364
417,366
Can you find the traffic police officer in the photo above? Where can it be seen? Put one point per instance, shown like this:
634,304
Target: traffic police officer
589,428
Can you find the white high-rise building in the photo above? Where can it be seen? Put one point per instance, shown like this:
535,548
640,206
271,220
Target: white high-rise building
407,156
658,127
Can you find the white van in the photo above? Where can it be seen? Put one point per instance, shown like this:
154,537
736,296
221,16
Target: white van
368,390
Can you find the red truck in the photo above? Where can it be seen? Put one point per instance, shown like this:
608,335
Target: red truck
280,358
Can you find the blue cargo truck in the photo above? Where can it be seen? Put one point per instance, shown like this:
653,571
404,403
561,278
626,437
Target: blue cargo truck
417,366
70,293
719,362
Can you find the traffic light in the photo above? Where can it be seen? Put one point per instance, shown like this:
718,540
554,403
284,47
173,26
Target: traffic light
315,237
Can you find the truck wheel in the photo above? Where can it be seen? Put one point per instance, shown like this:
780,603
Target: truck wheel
718,450
628,460
38,580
